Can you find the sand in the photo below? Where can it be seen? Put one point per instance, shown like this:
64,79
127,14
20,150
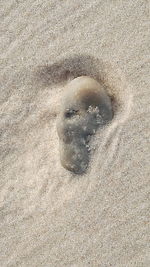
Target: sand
49,216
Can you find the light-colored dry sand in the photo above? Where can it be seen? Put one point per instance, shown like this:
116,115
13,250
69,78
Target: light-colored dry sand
48,216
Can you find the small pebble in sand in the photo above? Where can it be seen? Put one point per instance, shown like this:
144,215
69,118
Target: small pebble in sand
85,107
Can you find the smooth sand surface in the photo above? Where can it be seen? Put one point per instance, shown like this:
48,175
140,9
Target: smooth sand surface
49,216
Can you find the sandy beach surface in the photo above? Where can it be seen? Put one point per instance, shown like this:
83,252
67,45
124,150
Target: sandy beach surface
48,215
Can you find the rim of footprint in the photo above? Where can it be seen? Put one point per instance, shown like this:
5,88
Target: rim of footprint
85,107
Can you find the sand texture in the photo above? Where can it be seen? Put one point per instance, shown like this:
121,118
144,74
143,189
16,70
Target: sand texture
48,215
